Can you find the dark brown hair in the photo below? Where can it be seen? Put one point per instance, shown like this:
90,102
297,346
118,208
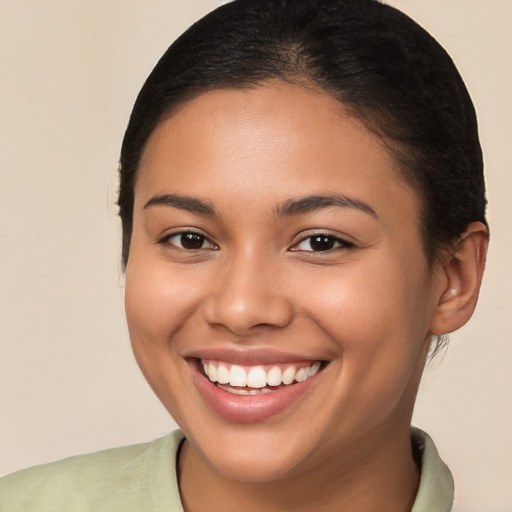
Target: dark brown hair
379,63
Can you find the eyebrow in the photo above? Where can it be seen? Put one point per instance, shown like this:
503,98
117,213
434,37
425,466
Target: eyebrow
190,204
308,204
290,207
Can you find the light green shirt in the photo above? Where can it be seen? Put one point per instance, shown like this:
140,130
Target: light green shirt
142,478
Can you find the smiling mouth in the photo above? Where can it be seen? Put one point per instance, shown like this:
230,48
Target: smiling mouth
259,379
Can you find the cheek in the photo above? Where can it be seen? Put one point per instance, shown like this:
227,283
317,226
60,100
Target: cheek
375,317
158,302
375,309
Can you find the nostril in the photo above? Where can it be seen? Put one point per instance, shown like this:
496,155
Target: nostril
244,313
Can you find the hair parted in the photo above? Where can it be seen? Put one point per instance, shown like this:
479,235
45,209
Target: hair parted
383,67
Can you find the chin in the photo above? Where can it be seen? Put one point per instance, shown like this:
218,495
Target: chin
254,458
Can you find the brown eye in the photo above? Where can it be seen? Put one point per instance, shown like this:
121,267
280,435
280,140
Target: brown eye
322,243
189,241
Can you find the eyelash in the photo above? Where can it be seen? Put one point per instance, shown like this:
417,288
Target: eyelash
180,236
333,242
322,238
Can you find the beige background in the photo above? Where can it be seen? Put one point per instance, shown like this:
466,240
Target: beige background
69,73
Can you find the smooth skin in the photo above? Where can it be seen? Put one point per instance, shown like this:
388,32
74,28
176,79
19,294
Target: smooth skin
362,297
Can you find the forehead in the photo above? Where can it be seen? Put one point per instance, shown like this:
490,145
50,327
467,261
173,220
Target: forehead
268,142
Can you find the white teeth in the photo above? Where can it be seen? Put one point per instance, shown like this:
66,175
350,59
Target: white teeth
301,375
211,372
313,370
274,376
245,392
237,376
222,374
236,391
257,378
289,375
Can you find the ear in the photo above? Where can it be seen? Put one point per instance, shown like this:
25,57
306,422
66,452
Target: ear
461,273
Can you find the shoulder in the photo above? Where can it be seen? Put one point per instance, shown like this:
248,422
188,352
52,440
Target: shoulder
115,479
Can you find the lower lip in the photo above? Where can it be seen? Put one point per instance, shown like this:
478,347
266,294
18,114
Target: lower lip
249,408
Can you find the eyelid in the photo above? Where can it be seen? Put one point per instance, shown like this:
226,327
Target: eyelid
166,239
343,242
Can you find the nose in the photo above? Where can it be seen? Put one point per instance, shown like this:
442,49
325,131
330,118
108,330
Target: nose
248,295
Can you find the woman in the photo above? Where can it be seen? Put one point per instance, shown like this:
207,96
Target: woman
303,213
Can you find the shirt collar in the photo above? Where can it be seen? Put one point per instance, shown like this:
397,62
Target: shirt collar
435,493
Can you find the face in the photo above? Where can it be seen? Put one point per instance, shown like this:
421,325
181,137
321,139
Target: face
276,251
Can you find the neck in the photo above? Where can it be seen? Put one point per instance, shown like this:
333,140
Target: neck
379,475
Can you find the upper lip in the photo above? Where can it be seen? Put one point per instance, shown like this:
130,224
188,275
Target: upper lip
250,356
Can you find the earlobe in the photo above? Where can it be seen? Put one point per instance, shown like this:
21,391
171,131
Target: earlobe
462,276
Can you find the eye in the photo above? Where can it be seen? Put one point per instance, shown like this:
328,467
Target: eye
322,243
189,241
